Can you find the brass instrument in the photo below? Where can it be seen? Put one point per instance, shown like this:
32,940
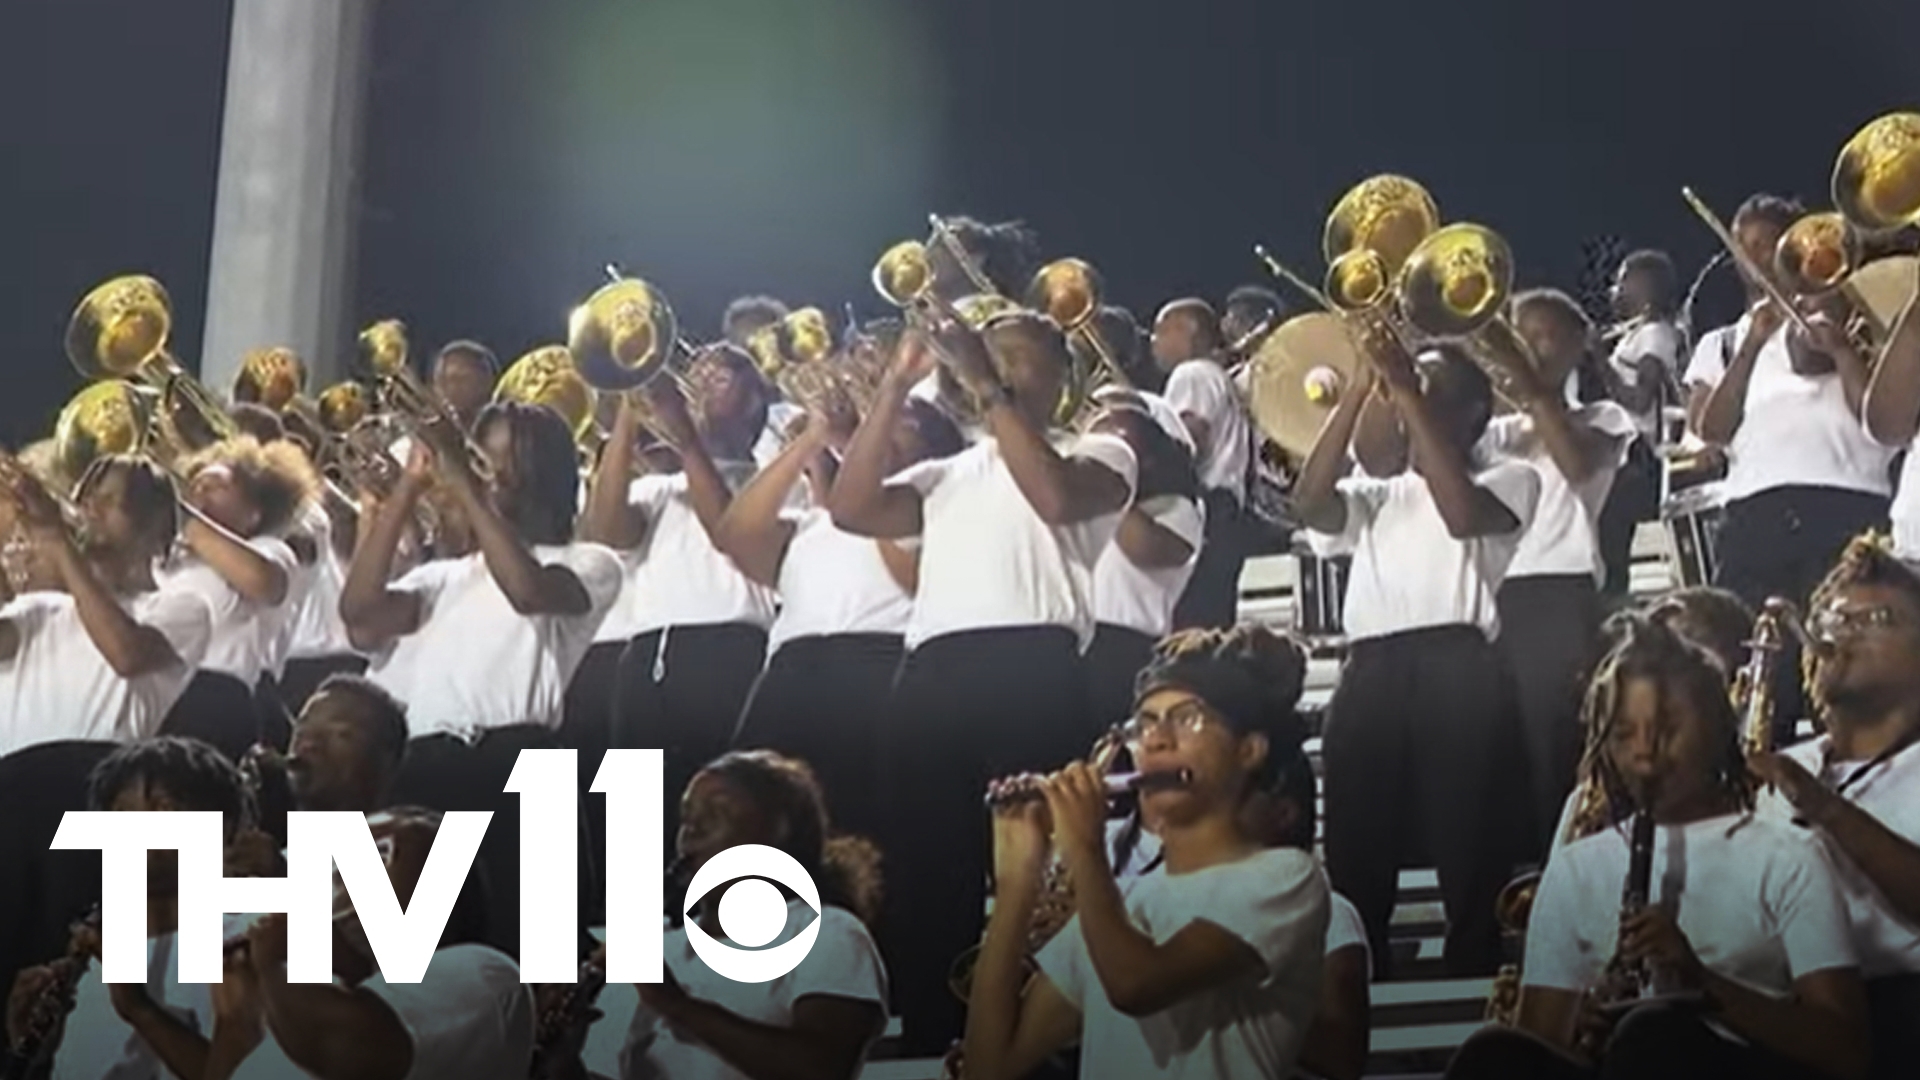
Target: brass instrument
16,548
800,337
383,358
904,277
1455,287
1387,214
1297,377
273,377
1755,273
343,405
1753,684
1817,253
111,416
1513,910
1278,269
119,331
1876,180
33,1052
546,376
1069,292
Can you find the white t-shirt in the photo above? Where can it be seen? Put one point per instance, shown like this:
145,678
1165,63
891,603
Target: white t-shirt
1202,388
986,558
844,963
1345,928
1660,340
59,686
833,582
470,1017
1888,944
1143,598
1755,898
475,663
677,577
1564,536
1409,573
1276,902
1797,430
248,637
316,629
98,1045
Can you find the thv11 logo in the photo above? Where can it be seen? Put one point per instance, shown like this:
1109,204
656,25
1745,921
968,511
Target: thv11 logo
404,940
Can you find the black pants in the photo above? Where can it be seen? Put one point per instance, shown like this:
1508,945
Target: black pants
1549,634
1212,597
1634,498
444,772
43,891
1113,662
1893,1003
823,700
217,709
1781,542
968,707
681,690
1423,757
304,675
1654,1042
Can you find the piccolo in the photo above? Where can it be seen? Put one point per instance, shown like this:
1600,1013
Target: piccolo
1117,786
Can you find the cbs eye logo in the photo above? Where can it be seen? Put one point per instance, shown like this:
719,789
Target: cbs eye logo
752,913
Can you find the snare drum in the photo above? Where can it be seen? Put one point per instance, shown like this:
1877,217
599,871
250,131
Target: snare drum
1320,594
1692,521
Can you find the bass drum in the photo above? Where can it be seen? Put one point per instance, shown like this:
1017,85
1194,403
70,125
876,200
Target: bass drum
1692,522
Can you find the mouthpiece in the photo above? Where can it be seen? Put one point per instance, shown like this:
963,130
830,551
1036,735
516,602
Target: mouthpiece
1118,785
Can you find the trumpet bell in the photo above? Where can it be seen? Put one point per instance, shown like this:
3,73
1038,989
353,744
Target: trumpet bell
1358,280
274,376
119,326
904,273
383,348
1388,214
1876,181
809,337
1816,254
1301,371
111,416
1457,281
622,336
1068,290
343,405
546,377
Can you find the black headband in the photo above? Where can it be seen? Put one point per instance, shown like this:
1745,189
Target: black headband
1228,689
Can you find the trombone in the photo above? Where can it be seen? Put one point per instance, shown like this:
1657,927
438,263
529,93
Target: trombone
119,331
1754,272
1069,291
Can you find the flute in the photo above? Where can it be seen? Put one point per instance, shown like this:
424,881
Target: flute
1117,785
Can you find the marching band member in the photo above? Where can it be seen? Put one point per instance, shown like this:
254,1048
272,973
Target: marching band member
819,1019
106,652
481,648
845,601
1248,315
695,627
1803,476
348,745
1010,531
241,496
1643,372
1005,256
156,1029
463,376
1892,413
1187,345
1424,693
1140,577
1742,918
747,316
1550,601
1210,967
468,1018
1854,785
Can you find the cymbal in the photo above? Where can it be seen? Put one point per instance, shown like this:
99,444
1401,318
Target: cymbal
1298,375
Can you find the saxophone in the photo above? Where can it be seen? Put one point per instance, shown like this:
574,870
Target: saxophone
29,1055
1753,686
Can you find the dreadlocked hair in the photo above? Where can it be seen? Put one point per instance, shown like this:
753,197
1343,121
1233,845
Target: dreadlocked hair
847,868
546,466
1868,561
277,477
1006,253
1647,648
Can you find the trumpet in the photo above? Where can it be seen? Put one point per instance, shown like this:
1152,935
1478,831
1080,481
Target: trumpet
274,378
119,331
383,357
1069,291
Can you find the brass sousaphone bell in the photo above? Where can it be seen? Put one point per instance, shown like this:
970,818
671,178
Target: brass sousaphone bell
111,416
1370,234
623,336
1876,181
120,331
546,376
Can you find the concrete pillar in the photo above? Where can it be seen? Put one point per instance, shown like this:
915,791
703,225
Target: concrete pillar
285,220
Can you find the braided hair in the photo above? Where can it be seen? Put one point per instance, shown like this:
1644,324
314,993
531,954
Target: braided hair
1867,562
546,467
1645,648
847,868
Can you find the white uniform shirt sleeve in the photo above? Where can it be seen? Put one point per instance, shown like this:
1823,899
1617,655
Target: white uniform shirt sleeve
469,1017
1517,486
1178,515
844,963
28,614
183,618
599,571
1112,452
426,581
1810,914
923,476
1065,963
1345,928
1709,361
1558,958
1612,420
1202,390
1278,906
1362,496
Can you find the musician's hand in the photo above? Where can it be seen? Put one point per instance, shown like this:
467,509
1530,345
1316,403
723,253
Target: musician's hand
1593,1024
662,996
418,475
1386,354
1764,320
267,943
671,412
239,1005
970,359
1827,336
1020,835
1653,938
1808,796
29,986
913,359
253,854
1077,801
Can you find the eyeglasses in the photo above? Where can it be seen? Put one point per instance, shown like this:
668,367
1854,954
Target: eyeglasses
1835,621
1186,718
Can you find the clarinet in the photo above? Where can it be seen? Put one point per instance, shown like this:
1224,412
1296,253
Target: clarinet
1638,891
29,1055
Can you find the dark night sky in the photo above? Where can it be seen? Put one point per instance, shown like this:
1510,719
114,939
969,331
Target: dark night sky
723,146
